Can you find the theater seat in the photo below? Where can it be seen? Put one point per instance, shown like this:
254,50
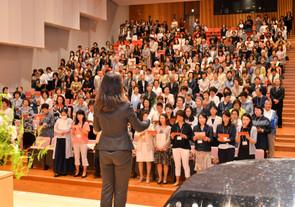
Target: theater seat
38,93
67,102
28,93
41,143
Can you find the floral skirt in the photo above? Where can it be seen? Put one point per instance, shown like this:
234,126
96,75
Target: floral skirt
163,157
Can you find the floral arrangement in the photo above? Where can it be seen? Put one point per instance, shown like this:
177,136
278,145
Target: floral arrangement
10,152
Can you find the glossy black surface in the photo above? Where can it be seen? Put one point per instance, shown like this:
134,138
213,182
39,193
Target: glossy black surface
269,182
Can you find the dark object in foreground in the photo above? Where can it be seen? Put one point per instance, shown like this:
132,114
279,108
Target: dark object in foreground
268,182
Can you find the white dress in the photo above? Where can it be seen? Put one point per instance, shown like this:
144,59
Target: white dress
145,147
145,155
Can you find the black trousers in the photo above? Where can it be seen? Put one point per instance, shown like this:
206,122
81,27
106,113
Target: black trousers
226,155
153,58
115,172
91,135
28,139
96,163
279,109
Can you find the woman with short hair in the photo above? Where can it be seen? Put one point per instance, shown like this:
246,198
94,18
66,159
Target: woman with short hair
63,152
246,138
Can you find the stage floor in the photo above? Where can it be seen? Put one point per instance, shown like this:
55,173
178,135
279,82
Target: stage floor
27,199
43,182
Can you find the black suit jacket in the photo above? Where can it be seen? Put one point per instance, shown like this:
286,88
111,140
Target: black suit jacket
141,88
168,52
278,95
113,125
56,84
253,87
175,89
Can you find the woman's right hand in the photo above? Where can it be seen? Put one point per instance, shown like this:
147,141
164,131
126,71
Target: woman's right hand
195,138
172,136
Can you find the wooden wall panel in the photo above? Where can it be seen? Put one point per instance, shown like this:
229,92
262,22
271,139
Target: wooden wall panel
210,20
161,12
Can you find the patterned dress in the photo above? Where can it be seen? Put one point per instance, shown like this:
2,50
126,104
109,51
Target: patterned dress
48,130
163,157
27,114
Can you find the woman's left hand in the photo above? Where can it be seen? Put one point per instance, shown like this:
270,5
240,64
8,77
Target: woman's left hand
183,136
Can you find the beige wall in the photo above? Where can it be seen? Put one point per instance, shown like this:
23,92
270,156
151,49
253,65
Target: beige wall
17,63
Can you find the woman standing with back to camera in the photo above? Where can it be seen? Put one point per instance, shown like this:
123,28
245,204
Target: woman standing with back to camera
112,113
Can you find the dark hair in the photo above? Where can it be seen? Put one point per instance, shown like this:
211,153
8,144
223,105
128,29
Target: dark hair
91,103
168,105
214,106
6,101
160,97
168,88
184,88
55,74
45,106
4,88
63,99
228,89
213,89
19,87
146,99
191,117
235,110
244,93
237,101
160,104
45,91
58,88
64,109
166,119
181,113
203,115
16,92
183,100
226,94
207,92
259,107
249,116
41,71
25,99
80,112
226,113
143,113
48,68
259,89
236,79
111,92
